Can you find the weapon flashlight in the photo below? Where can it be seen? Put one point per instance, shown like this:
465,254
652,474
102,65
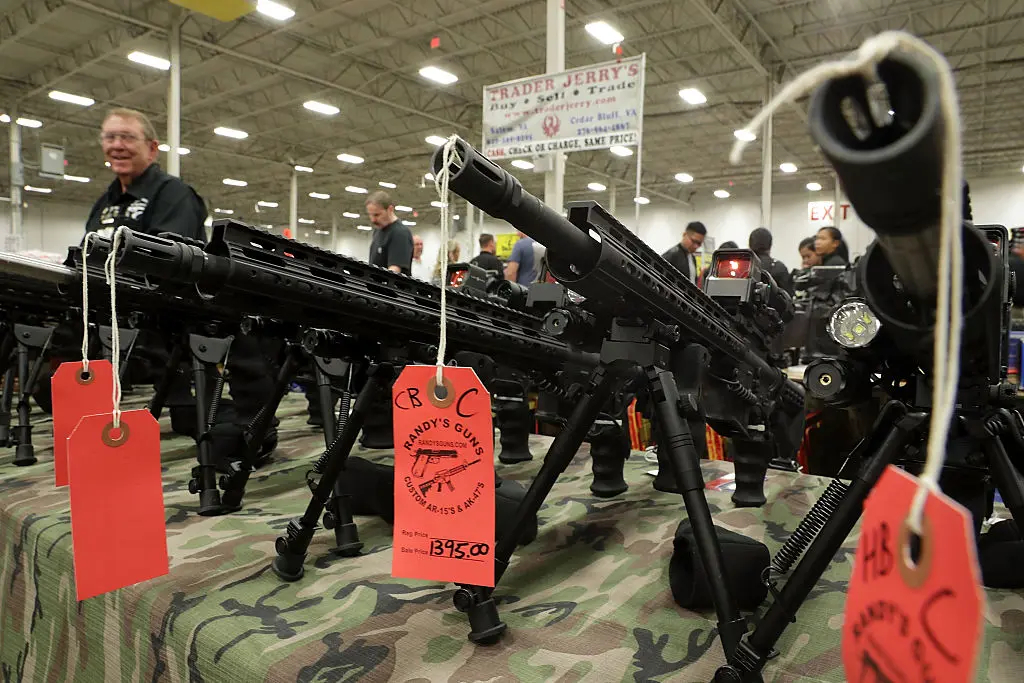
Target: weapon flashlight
853,325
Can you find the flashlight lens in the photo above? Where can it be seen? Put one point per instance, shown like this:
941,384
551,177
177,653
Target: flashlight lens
853,325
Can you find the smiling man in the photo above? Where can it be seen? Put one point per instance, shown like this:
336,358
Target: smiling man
142,197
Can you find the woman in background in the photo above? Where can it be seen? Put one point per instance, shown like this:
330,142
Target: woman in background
808,256
453,257
831,248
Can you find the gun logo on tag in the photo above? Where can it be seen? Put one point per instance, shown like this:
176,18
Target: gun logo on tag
428,456
445,477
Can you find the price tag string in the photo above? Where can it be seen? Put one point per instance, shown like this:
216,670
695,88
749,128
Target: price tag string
115,337
85,300
949,316
450,154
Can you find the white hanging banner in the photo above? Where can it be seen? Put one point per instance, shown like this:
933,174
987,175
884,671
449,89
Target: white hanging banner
593,107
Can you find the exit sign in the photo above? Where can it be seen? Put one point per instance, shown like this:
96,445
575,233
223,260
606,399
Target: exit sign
825,213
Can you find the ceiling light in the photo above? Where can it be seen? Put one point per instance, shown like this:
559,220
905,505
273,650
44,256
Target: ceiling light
274,10
620,151
267,205
438,75
436,204
721,194
814,187
787,167
304,169
436,140
322,232
30,123
350,158
456,217
692,96
641,200
390,186
40,190
523,164
409,223
307,221
149,60
363,227
321,108
227,211
73,99
319,195
349,214
596,187
429,177
182,151
107,164
4,118
684,177
604,32
231,133
744,135
404,209
236,183
77,178
355,189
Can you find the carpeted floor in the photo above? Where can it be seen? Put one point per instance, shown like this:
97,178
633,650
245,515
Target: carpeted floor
587,601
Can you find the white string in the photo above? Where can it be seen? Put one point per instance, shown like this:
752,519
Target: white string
449,154
948,314
85,300
115,337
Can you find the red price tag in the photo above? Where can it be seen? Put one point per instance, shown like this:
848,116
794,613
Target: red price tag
118,528
907,621
444,477
75,395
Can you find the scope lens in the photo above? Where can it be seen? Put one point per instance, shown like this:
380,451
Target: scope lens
737,267
457,278
853,325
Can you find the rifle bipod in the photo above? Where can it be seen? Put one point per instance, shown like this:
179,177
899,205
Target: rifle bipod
22,341
291,548
207,354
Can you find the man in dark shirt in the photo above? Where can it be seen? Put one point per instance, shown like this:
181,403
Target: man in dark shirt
486,258
391,247
681,255
143,197
760,242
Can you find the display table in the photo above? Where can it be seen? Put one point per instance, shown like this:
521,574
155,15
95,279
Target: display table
587,601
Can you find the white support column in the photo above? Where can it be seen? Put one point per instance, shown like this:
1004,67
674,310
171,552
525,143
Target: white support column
13,240
174,98
767,163
293,205
612,192
334,232
837,205
554,180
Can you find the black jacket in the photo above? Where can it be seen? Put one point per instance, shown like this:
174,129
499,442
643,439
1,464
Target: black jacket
680,258
777,269
489,261
834,259
155,202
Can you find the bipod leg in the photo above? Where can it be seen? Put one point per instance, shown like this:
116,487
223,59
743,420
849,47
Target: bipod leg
892,432
477,601
256,433
1008,479
207,353
127,337
163,389
28,338
513,417
6,399
609,449
291,548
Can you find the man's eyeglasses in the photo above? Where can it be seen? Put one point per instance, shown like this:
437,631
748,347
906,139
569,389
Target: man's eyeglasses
114,137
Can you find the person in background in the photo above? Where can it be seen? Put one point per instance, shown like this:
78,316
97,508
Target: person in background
486,258
420,269
454,251
521,267
831,248
681,255
760,242
391,246
728,244
808,256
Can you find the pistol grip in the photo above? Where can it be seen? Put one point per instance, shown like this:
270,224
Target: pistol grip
751,463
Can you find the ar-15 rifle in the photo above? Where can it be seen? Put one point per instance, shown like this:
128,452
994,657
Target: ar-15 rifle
426,456
445,477
643,313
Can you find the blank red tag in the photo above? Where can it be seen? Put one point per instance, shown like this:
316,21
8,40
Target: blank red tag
907,622
118,528
75,395
444,478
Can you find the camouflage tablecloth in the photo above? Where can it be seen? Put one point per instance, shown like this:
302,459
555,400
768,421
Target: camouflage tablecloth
587,601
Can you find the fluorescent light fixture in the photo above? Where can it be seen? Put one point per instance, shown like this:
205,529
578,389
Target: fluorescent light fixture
603,31
5,118
403,209
692,96
231,133
596,187
641,200
409,223
149,60
814,187
350,158
304,169
744,135
71,99
77,178
721,194
363,227
107,164
30,123
267,205
182,151
787,167
307,221
321,108
436,140
438,75
523,164
390,186
436,204
225,211
355,189
319,195
349,214
684,177
456,217
40,190
274,10
620,151
322,232
234,183
429,177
